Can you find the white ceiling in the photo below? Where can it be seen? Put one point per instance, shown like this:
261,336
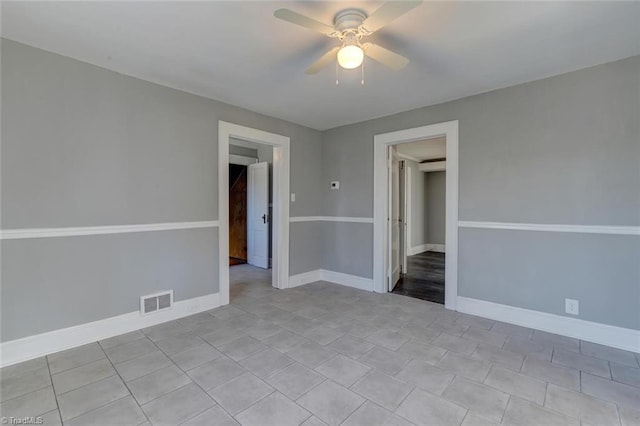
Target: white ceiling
237,52
429,149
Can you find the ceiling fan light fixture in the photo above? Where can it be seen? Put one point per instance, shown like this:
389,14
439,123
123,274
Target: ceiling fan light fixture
350,56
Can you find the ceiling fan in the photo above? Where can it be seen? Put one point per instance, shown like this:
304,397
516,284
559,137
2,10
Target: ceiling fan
350,27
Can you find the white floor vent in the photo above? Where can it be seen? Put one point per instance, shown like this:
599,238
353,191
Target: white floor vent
156,302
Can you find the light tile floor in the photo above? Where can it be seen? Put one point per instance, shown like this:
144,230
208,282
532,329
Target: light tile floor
327,354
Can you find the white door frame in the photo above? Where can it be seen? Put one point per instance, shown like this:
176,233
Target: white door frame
405,214
392,156
280,223
448,129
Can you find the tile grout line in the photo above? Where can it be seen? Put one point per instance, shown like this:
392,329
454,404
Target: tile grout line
124,383
274,390
28,393
87,384
506,406
190,379
205,391
98,408
53,389
79,365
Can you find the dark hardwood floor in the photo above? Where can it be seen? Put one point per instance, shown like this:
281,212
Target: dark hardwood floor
424,278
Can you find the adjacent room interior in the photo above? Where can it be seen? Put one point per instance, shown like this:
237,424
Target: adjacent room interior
250,213
419,180
320,213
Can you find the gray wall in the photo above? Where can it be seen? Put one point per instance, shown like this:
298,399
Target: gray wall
435,204
563,150
84,146
348,248
52,283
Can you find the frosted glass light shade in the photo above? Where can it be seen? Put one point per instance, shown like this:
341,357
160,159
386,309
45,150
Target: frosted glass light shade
350,57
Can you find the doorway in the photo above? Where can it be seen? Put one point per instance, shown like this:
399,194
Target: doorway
267,227
418,197
250,203
386,246
237,214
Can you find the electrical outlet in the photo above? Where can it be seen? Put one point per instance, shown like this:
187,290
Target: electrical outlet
335,185
572,306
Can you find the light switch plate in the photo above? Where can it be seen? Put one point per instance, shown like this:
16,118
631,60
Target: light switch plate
335,184
293,197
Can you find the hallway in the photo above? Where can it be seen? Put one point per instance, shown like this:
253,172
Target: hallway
424,278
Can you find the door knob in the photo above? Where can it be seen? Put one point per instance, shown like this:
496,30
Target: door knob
264,218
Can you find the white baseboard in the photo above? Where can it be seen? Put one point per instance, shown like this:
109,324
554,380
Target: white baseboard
24,349
305,278
417,249
332,277
425,247
617,337
348,280
436,247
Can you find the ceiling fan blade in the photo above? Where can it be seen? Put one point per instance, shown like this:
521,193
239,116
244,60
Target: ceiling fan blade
385,56
323,61
387,13
303,21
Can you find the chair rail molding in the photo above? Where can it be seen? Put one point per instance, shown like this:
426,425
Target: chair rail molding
23,233
548,227
331,219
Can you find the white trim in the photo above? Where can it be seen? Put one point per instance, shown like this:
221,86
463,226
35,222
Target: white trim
417,249
440,248
617,337
243,144
280,222
305,278
18,234
331,219
24,349
408,194
408,157
586,229
405,203
242,160
347,280
433,166
381,141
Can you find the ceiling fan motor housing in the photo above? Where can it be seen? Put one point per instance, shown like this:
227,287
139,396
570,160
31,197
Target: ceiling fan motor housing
349,20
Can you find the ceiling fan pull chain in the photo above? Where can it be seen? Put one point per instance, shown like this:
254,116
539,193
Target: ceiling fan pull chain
337,69
362,69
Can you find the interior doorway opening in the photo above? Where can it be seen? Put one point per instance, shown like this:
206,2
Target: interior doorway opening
383,239
250,214
250,203
417,212
253,238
